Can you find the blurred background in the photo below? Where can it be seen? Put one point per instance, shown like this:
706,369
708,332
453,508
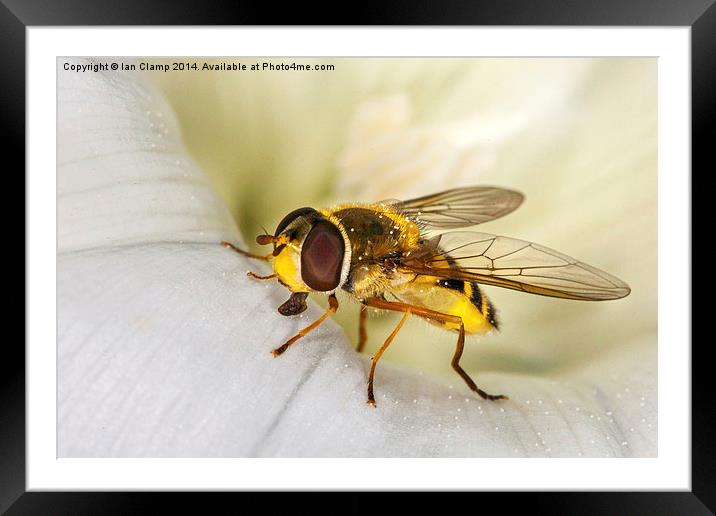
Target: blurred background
577,136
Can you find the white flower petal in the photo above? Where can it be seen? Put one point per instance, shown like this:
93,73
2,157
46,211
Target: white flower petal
163,342
123,176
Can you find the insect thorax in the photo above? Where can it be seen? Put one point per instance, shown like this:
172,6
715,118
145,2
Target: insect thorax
379,237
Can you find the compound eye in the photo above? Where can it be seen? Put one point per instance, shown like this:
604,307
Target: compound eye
322,257
291,217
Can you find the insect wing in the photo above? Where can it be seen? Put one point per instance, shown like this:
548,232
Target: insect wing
514,264
460,207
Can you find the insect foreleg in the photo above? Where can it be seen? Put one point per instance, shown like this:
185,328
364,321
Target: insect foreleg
332,308
229,245
256,276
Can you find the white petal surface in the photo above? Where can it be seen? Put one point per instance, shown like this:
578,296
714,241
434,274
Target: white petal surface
163,342
122,174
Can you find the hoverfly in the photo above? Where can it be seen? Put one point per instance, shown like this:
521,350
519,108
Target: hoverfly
391,255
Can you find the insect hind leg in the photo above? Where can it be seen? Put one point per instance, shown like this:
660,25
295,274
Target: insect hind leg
456,366
433,315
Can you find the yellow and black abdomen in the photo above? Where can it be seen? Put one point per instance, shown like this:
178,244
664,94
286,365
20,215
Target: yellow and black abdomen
455,297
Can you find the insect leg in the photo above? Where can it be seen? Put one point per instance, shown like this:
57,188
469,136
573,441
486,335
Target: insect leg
362,334
332,308
463,374
441,317
256,276
426,313
229,245
371,398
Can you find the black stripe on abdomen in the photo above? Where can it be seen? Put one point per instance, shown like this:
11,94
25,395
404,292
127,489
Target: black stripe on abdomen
476,296
452,284
491,315
484,305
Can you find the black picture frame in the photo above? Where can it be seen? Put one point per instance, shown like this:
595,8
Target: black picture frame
700,15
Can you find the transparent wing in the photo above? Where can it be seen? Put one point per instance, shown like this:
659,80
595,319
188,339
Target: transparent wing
460,207
515,264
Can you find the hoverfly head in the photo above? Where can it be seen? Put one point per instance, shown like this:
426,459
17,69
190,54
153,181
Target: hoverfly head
323,247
